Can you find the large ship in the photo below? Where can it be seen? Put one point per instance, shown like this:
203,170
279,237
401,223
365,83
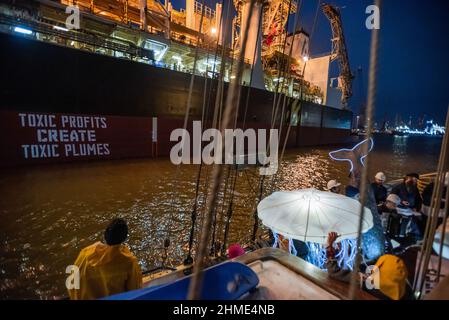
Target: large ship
111,79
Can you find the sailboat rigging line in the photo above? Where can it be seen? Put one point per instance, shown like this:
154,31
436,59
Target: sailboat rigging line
217,172
301,83
276,103
219,101
204,116
220,85
229,215
232,190
219,214
204,201
443,231
169,232
193,217
289,77
289,58
249,183
255,217
281,68
192,78
220,89
371,103
281,72
223,35
216,212
431,226
315,20
258,44
252,72
219,218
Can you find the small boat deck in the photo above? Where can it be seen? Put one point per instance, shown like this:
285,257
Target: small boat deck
282,276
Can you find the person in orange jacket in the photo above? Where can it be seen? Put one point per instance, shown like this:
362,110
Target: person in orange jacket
107,269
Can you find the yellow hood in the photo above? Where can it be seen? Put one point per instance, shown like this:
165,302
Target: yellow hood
393,276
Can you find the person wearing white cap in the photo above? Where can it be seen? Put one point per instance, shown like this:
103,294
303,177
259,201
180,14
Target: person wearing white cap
390,215
333,186
379,190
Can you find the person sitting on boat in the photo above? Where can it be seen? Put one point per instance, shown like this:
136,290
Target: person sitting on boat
380,192
391,270
107,269
427,200
408,192
333,186
389,215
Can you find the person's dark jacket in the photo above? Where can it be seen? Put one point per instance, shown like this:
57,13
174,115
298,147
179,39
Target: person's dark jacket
427,195
413,197
301,248
380,192
394,220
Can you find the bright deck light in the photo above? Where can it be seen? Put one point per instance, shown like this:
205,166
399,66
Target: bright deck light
305,58
22,30
213,30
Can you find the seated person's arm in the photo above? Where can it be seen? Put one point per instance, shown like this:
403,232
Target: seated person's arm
332,267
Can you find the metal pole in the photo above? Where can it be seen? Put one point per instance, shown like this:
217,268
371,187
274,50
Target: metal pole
372,85
433,217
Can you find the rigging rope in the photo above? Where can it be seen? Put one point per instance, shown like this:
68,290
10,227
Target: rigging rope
231,202
204,116
217,174
281,70
371,103
229,215
290,78
169,232
443,229
301,88
429,235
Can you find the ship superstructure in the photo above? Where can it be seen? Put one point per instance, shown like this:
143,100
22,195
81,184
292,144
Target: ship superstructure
156,33
130,64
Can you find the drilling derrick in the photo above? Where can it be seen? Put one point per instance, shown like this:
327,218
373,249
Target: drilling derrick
339,51
273,26
275,16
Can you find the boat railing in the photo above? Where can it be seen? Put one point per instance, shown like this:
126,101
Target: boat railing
157,269
423,182
80,36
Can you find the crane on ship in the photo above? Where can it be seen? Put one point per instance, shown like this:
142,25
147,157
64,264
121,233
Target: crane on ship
339,51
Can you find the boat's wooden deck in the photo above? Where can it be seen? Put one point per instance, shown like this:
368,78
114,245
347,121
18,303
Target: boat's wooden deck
284,276
277,282
313,283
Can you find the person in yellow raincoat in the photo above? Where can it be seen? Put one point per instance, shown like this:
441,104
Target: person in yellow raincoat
107,269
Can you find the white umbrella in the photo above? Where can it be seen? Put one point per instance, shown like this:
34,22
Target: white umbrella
310,214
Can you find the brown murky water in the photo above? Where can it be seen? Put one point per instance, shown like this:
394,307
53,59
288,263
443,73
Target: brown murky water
49,213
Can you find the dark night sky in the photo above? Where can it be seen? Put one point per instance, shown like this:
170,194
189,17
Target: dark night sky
413,76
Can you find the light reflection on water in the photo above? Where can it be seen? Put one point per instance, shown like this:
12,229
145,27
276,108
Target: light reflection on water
49,213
